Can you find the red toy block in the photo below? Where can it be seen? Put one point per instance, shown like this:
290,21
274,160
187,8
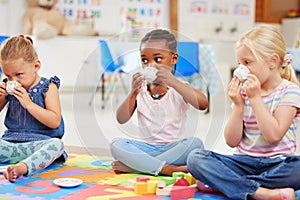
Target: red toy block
182,182
182,192
142,179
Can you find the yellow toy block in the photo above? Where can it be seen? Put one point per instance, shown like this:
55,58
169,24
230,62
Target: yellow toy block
151,187
190,178
140,188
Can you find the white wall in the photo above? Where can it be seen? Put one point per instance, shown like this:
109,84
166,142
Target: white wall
228,16
12,12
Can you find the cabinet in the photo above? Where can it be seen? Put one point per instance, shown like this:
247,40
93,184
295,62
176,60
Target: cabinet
272,11
290,29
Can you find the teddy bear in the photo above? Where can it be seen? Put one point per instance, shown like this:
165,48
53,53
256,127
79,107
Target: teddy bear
42,20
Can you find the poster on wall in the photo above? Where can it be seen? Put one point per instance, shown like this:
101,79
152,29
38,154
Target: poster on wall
240,9
113,17
139,14
104,15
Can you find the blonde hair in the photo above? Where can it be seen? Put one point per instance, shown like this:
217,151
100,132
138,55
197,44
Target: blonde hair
18,47
265,40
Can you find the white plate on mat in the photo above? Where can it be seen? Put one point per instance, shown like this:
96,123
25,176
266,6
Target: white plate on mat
67,182
2,169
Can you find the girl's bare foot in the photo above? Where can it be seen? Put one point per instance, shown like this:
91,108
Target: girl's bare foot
120,167
274,194
169,169
15,171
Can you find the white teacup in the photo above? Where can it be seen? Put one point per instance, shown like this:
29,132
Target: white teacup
241,72
149,73
10,86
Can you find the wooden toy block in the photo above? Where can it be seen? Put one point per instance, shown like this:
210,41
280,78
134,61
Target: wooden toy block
130,183
161,184
177,175
166,191
151,187
182,192
142,179
181,182
190,178
169,180
140,188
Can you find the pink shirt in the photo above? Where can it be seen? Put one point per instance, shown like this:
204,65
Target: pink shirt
161,121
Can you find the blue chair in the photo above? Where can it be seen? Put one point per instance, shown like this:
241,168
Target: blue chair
110,66
2,38
188,59
188,64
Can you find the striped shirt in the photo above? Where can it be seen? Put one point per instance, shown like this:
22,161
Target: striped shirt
253,142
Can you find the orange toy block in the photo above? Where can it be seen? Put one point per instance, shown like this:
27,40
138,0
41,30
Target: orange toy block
182,192
140,188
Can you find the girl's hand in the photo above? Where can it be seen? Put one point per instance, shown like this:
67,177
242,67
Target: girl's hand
234,91
3,91
164,76
252,86
21,94
137,80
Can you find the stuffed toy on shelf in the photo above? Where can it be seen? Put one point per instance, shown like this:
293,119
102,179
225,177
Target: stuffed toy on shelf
44,21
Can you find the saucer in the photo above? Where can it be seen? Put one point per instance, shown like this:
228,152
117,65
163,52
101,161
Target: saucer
67,182
2,169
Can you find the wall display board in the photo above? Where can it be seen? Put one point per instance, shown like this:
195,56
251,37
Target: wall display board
215,18
115,16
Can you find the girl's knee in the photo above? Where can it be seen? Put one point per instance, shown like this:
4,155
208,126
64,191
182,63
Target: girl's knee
195,142
58,143
195,156
119,142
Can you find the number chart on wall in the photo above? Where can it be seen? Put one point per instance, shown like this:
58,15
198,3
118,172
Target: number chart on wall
115,16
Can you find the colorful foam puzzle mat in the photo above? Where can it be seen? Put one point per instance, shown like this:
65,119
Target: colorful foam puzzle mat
99,182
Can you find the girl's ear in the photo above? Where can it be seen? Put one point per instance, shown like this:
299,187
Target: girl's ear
174,58
274,61
37,65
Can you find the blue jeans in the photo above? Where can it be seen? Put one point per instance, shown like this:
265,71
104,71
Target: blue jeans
238,176
150,158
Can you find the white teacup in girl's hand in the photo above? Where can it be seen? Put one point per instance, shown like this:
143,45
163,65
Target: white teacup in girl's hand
241,72
10,86
150,73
